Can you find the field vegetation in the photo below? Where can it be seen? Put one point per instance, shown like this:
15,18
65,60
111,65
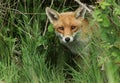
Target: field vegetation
30,52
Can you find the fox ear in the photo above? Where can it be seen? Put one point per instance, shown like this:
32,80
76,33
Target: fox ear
52,14
80,12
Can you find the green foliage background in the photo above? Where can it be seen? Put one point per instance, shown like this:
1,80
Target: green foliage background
31,53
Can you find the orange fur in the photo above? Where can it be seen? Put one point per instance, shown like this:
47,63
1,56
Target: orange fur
71,27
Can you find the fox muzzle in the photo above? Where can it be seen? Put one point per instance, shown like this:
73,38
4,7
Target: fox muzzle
67,39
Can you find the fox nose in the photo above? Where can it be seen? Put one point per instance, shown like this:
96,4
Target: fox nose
67,39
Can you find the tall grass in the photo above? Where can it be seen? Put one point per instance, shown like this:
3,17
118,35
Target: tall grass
31,53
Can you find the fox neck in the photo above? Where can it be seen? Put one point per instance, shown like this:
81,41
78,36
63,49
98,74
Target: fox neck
78,43
77,46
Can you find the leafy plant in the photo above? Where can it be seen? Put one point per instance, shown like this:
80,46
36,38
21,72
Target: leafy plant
30,52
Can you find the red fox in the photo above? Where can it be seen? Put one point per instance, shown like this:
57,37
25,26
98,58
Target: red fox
72,28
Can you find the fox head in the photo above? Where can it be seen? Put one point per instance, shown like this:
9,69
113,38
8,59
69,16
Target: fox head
66,24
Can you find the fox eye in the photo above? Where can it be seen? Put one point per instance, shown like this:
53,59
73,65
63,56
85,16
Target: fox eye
73,27
61,28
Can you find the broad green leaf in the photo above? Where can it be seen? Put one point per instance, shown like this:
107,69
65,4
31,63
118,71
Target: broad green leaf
50,28
104,5
105,22
117,11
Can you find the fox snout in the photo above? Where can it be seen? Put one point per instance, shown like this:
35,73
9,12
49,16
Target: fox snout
67,39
